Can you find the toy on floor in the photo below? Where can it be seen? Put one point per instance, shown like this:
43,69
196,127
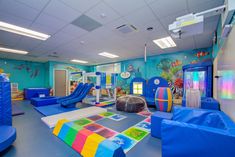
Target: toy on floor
7,132
131,103
102,80
163,99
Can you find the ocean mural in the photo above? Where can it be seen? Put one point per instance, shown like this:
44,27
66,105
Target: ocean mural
168,66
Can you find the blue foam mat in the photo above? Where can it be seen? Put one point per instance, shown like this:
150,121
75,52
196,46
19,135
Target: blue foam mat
53,109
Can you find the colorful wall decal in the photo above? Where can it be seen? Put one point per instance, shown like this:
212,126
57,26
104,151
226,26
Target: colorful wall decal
135,133
117,117
148,120
125,142
94,127
106,133
95,118
144,125
83,121
145,113
106,114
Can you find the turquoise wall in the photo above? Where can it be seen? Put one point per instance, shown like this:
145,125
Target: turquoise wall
35,74
64,66
168,66
26,74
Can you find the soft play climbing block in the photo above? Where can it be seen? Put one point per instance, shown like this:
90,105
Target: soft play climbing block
71,135
108,148
64,130
80,139
58,126
91,145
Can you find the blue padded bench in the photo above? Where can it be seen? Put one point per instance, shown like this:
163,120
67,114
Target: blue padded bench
206,103
198,132
7,136
156,121
35,92
45,101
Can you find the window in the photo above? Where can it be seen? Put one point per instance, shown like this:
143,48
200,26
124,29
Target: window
138,88
109,68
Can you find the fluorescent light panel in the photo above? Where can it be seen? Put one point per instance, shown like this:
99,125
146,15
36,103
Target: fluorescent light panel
78,61
164,43
22,31
2,49
109,55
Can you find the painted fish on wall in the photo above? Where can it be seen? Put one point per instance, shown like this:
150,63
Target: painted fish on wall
176,63
201,54
33,73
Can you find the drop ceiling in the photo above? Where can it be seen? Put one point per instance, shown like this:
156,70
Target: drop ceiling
68,41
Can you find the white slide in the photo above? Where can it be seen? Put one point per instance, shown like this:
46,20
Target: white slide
51,121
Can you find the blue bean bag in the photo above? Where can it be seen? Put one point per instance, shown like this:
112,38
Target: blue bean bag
7,136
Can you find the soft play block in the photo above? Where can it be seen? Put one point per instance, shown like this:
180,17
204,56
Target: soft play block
108,148
7,136
71,135
58,126
80,139
156,121
91,145
35,92
50,100
64,130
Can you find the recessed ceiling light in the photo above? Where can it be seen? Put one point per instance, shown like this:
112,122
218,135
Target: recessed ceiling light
109,55
8,50
78,61
22,31
164,43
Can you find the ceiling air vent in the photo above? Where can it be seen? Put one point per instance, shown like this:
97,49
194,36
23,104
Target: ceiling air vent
33,56
53,55
126,28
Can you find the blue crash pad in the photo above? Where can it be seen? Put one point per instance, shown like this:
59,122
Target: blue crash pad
53,109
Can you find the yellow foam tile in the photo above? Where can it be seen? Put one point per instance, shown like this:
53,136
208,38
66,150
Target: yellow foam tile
58,126
91,145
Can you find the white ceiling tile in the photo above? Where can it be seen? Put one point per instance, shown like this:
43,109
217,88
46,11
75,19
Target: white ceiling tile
5,17
185,43
140,17
18,9
43,29
80,5
210,24
205,5
163,8
28,44
61,11
36,4
74,30
203,40
123,7
48,23
166,21
8,39
102,8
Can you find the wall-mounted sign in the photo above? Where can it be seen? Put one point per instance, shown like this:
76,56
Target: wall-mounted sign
156,81
125,75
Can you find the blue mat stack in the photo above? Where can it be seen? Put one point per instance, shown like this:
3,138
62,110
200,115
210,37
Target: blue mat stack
5,103
7,132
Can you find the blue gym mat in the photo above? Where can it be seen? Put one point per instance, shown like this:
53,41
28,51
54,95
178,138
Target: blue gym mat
53,109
